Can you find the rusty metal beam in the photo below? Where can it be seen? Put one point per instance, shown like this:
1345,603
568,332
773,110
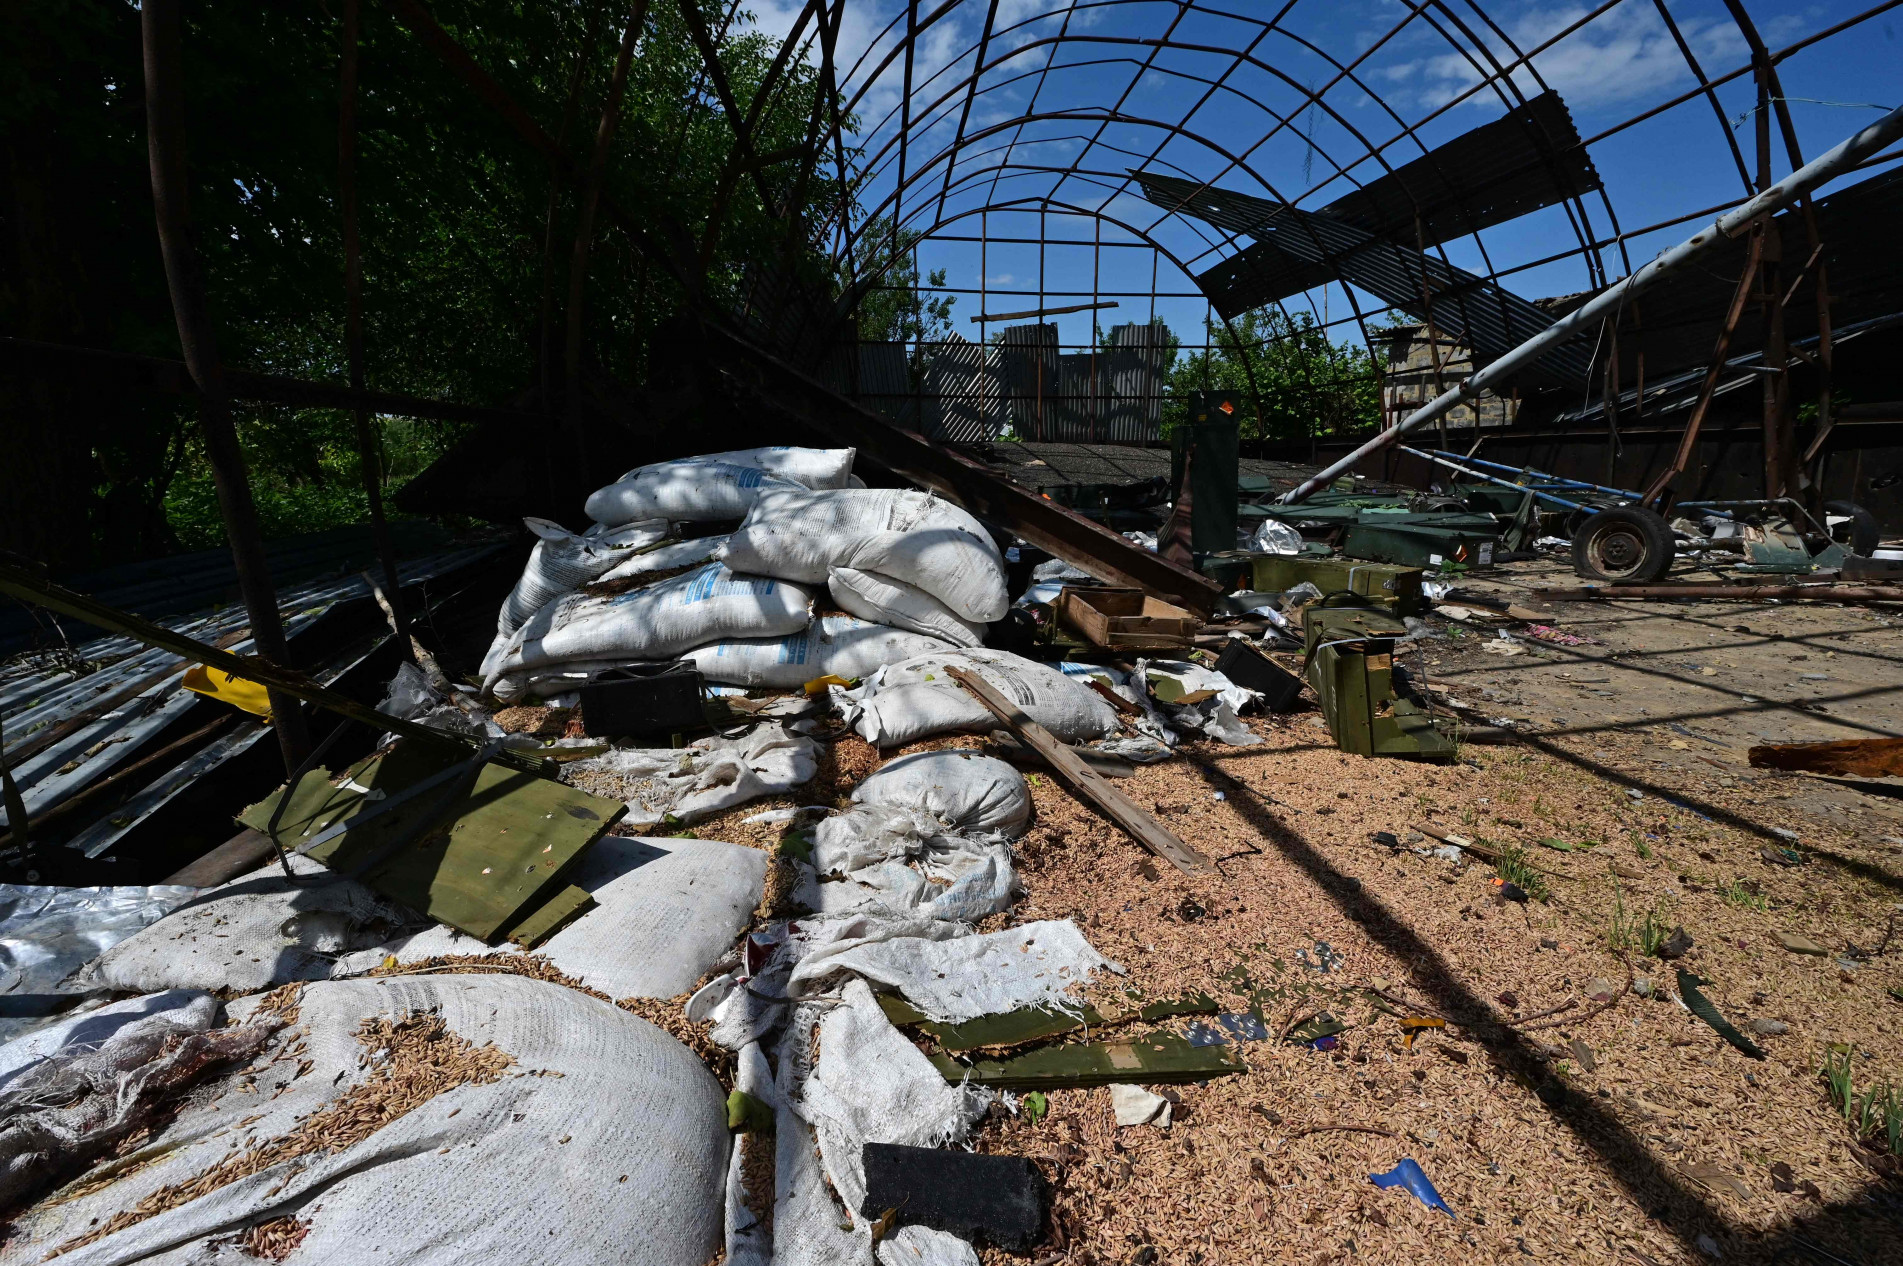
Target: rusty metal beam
777,388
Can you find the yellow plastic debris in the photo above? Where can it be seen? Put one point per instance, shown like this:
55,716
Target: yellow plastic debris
1412,1025
239,692
817,686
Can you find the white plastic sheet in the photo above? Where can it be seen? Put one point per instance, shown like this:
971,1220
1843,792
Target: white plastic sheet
47,933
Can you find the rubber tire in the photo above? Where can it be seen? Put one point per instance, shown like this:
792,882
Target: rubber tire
1623,533
1864,532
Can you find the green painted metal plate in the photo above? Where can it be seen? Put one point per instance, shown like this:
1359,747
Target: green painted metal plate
1146,1059
492,857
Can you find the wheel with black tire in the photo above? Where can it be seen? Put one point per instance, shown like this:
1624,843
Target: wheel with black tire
1861,533
1625,543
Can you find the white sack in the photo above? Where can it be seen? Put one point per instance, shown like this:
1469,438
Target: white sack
1032,965
917,698
949,877
666,911
962,790
749,1239
911,536
718,485
922,1246
705,777
88,1029
871,1085
251,934
533,1167
884,600
658,622
563,561
840,645
665,558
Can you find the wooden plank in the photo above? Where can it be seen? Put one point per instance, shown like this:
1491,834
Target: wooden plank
1861,758
560,910
498,852
1031,1024
1005,746
1092,785
243,852
1146,1060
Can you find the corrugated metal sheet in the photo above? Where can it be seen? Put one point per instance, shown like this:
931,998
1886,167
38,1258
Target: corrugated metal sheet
107,718
963,392
1484,316
1031,378
1677,323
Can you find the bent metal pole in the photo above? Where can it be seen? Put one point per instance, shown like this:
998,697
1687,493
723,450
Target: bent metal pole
1729,225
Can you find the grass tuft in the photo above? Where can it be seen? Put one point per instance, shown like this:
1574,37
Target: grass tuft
1644,934
1876,1116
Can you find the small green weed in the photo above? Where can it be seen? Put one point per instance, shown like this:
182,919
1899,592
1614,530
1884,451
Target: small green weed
1643,849
1035,1106
1745,894
1645,934
1515,869
1875,1116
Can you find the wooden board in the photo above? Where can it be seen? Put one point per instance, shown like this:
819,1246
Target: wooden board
490,860
1145,1060
1092,785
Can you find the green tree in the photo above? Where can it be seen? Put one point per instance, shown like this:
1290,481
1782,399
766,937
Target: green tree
465,254
1307,383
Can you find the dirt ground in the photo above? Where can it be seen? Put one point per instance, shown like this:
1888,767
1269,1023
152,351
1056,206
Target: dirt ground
1555,1126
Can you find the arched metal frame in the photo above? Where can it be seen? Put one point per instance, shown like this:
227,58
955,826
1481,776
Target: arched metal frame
901,173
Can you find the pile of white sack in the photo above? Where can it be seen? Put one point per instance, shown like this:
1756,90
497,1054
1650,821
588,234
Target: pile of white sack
902,573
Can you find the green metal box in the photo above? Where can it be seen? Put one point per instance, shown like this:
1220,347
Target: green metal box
1396,588
1350,658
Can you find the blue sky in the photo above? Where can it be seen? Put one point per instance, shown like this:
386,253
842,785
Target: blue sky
1250,132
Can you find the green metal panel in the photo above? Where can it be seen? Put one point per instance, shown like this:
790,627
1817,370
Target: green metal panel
491,860
1213,474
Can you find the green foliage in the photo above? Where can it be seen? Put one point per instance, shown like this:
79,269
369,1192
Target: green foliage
1875,1116
465,253
1744,894
1514,867
1644,934
1307,383
1036,1105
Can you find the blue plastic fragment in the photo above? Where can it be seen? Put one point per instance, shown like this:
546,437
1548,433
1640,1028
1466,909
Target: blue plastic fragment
1237,1026
1408,1174
1328,1043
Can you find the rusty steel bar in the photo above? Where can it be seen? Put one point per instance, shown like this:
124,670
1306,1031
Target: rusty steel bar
1862,144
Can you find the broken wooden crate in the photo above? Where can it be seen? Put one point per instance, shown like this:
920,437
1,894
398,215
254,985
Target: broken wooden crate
1126,619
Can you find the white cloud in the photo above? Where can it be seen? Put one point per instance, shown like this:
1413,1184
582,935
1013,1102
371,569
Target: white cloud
1624,54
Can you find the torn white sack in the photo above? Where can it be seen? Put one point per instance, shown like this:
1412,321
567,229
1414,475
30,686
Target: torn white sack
705,777
524,1167
1034,964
